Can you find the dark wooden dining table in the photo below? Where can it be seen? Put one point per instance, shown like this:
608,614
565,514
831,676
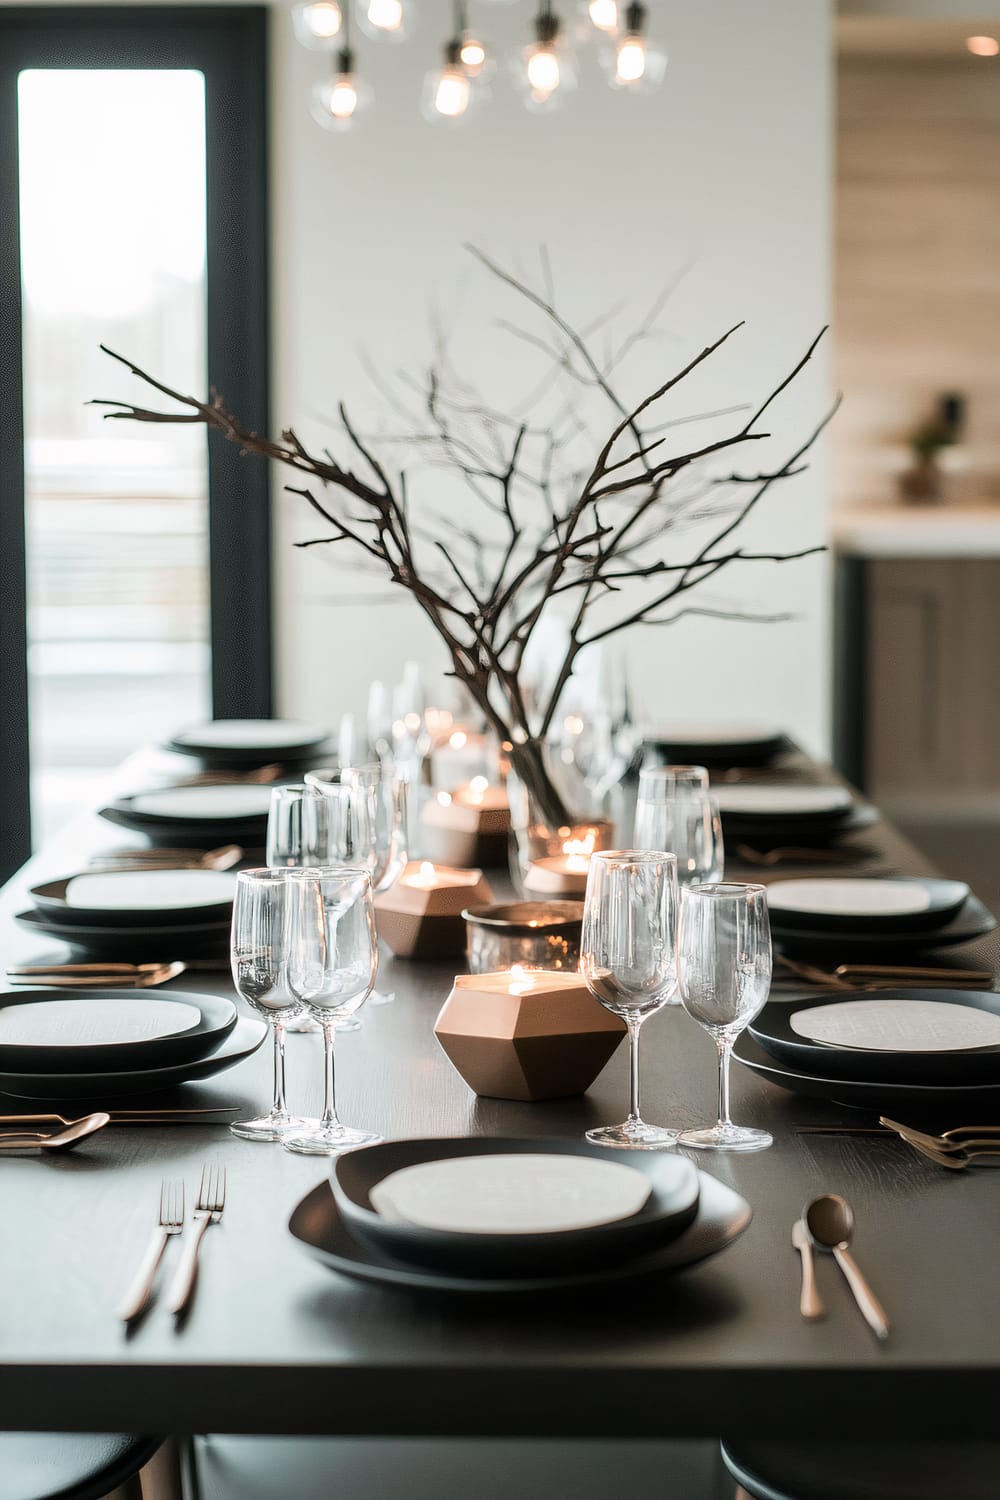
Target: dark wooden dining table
278,1343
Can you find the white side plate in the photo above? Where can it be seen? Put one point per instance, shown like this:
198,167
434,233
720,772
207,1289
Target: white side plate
209,802
849,898
898,1025
90,1022
250,734
782,799
150,890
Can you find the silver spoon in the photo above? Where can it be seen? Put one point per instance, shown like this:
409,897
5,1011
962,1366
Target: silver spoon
830,1223
60,1140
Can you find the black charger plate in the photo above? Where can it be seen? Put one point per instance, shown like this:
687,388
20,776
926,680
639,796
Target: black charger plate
140,944
296,744
247,1035
766,832
317,1223
720,754
671,1206
217,1017
969,1101
971,921
51,898
947,897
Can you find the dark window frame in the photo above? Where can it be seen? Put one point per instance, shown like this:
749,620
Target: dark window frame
229,45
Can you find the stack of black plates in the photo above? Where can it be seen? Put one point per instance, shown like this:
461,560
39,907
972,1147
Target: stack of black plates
57,1045
423,1215
230,813
718,748
864,919
232,743
144,915
789,814
935,1049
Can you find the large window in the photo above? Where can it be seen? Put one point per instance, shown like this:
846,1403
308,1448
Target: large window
135,556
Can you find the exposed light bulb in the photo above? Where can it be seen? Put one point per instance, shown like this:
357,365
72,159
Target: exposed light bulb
604,14
316,25
543,70
630,64
343,97
451,97
386,15
473,56
983,46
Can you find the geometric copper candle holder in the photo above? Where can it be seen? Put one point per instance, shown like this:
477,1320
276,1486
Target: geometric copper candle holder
468,827
526,1035
421,915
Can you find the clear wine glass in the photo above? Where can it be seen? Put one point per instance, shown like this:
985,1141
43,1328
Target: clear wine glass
690,827
332,970
725,964
263,911
628,960
663,783
296,828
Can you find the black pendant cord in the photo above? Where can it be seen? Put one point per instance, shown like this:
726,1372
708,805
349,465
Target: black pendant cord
345,57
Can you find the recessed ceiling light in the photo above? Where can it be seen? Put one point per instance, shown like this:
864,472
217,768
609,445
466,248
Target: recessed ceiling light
982,46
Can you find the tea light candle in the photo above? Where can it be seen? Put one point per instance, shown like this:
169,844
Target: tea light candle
563,874
468,826
487,1019
421,915
460,757
537,934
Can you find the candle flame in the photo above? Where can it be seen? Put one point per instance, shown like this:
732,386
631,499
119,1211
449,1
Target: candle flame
578,852
459,739
444,799
522,980
425,877
477,788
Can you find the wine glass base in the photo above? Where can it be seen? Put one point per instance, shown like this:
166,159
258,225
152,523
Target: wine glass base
640,1137
268,1127
306,1023
381,997
726,1138
328,1140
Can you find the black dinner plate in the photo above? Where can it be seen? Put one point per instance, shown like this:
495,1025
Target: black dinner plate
783,828
297,742
972,920
946,899
318,1224
119,1011
188,835
51,898
969,1101
671,1206
143,944
244,1039
757,750
772,1030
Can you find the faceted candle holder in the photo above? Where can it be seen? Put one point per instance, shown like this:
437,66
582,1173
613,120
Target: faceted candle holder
468,827
526,1035
421,915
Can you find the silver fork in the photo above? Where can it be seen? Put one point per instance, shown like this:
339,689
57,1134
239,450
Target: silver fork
208,1210
171,1222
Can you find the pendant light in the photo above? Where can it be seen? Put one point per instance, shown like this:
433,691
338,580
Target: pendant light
337,101
635,65
548,69
317,25
385,20
603,15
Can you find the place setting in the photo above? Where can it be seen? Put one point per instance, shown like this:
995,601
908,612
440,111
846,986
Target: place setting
236,744
861,918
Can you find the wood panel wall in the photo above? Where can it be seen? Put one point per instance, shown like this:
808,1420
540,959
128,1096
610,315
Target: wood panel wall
917,293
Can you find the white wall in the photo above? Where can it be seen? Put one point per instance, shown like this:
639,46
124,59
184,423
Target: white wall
725,170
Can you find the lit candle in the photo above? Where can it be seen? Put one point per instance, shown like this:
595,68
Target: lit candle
468,826
458,757
487,1017
563,874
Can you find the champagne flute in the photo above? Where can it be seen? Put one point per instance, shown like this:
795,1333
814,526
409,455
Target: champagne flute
332,967
628,961
262,917
725,962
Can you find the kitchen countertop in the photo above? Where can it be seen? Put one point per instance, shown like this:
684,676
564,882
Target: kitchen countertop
917,531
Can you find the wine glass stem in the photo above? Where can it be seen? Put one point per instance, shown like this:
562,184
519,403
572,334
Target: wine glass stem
633,1023
279,1107
329,1091
725,1046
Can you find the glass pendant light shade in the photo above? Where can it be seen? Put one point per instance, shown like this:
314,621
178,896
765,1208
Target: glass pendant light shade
385,20
337,102
317,25
448,91
603,15
547,73
632,63
475,58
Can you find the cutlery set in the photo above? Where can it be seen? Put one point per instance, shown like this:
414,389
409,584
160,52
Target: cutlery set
852,976
209,1206
208,1115
957,1148
105,976
152,858
827,1224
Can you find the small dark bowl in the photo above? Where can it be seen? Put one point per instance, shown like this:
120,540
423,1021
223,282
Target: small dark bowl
497,937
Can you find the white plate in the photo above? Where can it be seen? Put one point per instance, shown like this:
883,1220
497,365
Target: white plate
250,734
792,800
849,898
151,890
88,1021
213,803
715,734
898,1025
511,1194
